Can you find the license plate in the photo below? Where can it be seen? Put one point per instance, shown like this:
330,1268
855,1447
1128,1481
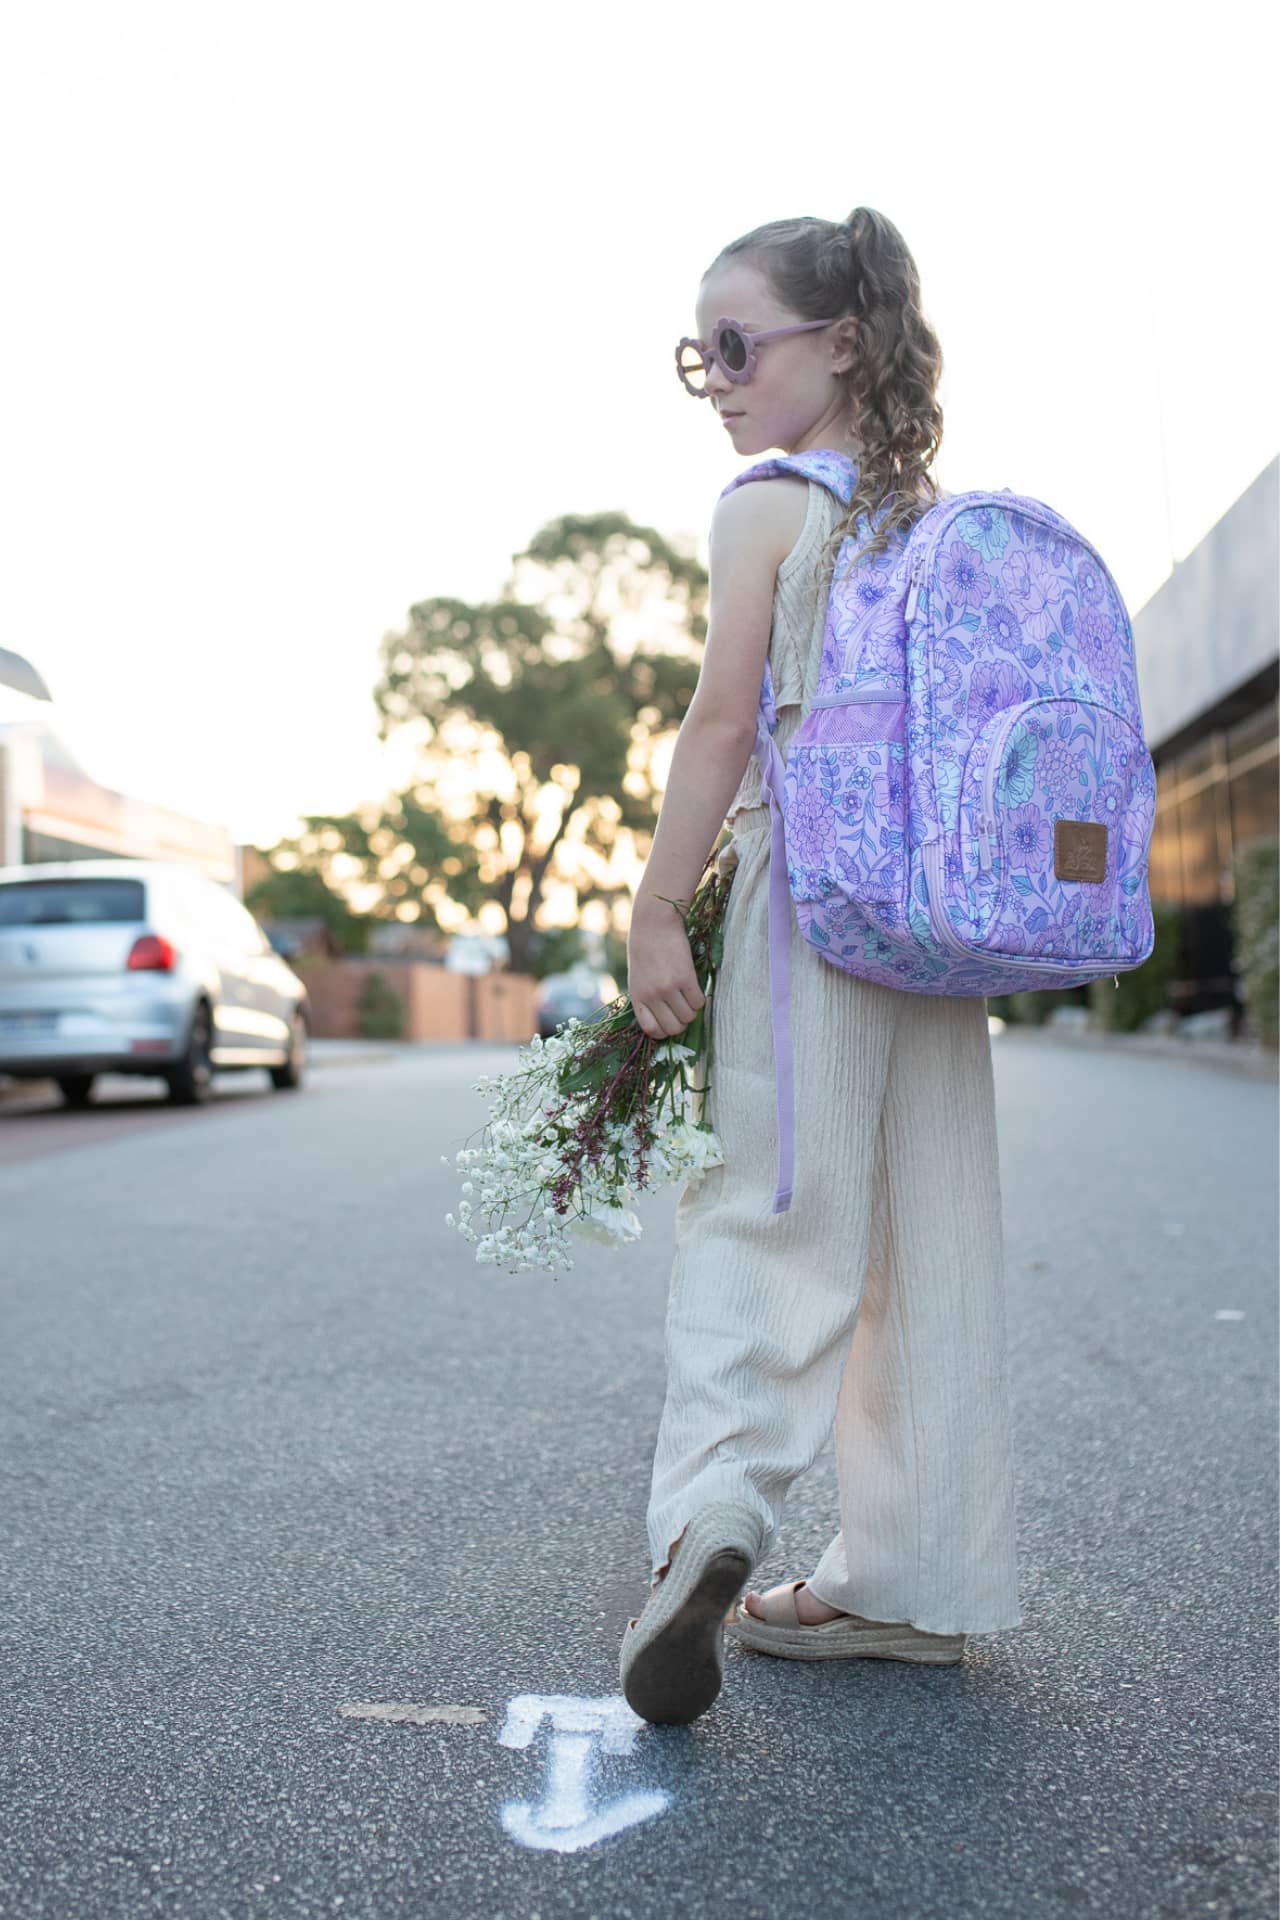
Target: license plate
28,1022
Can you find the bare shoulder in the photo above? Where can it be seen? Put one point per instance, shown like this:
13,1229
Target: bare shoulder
763,520
753,529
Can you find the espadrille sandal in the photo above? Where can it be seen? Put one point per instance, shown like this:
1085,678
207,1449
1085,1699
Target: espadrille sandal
848,1637
672,1658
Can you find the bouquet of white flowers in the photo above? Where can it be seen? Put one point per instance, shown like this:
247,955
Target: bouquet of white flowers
591,1116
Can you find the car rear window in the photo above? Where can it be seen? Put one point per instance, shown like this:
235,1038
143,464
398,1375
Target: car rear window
69,903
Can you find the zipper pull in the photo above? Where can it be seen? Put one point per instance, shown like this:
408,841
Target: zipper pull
1116,978
912,597
984,845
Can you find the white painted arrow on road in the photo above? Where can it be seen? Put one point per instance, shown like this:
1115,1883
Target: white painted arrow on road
564,1819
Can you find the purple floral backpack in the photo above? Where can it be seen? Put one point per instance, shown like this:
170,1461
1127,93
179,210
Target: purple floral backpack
967,804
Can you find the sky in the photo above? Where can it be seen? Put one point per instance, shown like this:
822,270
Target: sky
317,310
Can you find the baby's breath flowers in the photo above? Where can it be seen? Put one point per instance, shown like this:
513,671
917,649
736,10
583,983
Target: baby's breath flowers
591,1116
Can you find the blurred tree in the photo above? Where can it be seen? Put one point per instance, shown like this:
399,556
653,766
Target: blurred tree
539,716
555,950
392,852
302,894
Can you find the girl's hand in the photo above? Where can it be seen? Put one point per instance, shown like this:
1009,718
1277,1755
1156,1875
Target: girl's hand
661,982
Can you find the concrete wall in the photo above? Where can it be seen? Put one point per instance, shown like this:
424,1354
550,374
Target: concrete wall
439,1005
1216,620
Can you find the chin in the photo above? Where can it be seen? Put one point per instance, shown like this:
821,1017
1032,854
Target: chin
747,440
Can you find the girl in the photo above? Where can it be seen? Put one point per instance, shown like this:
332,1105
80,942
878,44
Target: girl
877,1301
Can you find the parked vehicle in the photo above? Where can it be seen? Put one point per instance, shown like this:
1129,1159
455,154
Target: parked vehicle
581,990
141,967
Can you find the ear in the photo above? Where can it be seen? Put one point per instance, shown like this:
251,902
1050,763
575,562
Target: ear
844,336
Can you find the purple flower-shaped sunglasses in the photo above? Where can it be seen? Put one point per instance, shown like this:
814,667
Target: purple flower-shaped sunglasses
733,349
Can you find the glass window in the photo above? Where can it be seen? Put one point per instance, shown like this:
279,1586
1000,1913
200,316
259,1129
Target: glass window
1255,804
231,920
1251,732
1198,832
1164,871
1194,761
67,903
254,938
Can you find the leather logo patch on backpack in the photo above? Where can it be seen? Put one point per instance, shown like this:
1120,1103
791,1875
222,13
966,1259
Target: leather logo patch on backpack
1079,850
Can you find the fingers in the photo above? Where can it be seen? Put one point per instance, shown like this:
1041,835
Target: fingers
662,1019
683,1003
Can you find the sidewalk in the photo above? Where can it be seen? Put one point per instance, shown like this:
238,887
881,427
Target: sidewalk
1244,1056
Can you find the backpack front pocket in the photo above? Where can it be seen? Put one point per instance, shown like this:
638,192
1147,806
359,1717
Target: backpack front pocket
1056,811
846,800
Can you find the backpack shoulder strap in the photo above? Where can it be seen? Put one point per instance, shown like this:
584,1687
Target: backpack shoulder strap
836,471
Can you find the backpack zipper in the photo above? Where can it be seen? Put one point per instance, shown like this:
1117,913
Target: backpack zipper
930,854
987,825
954,504
881,695
987,818
916,577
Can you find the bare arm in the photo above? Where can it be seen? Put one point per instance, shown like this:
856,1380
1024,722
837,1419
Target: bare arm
752,529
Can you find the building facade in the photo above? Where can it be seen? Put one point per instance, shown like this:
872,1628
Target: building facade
1208,654
51,808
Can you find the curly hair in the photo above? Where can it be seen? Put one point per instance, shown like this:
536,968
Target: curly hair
824,269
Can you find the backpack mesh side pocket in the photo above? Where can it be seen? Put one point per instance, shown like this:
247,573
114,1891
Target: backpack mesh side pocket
847,803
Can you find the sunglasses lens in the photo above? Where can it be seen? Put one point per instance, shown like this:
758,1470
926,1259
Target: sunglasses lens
733,349
692,368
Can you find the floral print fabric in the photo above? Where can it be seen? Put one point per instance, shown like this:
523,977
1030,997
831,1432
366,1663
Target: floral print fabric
977,686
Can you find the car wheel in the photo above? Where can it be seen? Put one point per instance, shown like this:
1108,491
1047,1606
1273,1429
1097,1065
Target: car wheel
75,1088
291,1073
191,1084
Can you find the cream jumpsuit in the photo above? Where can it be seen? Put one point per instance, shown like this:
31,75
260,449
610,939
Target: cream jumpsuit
877,1301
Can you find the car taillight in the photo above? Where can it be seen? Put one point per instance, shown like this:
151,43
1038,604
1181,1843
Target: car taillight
150,952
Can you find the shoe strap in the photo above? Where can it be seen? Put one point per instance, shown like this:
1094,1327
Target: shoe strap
779,1604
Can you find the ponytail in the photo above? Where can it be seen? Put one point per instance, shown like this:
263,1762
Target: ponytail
862,266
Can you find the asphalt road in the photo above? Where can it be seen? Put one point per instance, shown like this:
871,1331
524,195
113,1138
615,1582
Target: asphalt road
273,1446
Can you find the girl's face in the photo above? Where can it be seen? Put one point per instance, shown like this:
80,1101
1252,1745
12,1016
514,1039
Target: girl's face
794,399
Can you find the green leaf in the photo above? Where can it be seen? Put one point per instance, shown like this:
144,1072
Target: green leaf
584,1079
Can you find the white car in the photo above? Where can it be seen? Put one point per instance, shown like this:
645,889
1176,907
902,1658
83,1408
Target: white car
141,967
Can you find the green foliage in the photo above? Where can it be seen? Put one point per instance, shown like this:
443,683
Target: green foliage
344,851
544,681
303,894
380,1009
540,718
555,950
1142,990
1255,926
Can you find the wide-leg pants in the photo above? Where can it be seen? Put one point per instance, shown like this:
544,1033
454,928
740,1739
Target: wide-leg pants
874,1306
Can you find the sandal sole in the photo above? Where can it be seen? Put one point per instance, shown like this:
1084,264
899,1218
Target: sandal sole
839,1640
677,1674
